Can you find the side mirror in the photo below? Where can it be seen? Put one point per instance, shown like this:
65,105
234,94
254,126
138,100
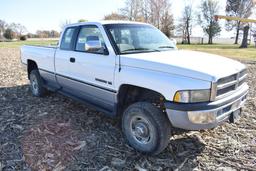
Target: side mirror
93,46
96,46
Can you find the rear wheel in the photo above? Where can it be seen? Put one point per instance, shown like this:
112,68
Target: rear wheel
36,84
146,128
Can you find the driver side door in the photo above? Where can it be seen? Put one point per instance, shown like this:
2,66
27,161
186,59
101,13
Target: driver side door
91,71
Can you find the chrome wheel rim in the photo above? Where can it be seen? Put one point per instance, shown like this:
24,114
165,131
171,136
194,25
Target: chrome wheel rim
34,84
141,130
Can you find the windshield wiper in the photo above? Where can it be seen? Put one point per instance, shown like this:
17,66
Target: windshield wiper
162,47
140,49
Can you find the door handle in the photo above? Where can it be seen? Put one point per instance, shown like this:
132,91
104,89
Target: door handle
72,60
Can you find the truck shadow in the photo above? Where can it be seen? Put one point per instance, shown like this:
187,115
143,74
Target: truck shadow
85,137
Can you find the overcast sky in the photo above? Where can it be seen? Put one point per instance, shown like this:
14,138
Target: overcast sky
49,14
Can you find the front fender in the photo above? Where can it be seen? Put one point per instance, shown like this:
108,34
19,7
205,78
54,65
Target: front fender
163,83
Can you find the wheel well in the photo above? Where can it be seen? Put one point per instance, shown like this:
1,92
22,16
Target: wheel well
31,66
129,94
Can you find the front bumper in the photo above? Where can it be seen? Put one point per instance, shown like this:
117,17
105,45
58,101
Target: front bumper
200,116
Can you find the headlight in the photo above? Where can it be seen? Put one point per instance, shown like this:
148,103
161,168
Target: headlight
192,96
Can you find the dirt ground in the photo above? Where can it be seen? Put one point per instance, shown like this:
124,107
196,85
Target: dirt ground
56,133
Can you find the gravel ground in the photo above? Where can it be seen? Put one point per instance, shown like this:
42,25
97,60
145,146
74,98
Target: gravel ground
56,133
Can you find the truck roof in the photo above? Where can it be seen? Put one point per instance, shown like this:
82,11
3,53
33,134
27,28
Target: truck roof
104,22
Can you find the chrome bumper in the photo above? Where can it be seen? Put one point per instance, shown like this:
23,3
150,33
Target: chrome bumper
206,115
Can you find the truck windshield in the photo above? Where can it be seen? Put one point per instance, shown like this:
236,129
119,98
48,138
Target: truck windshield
138,38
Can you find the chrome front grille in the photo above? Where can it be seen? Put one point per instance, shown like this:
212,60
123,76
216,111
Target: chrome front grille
229,84
225,90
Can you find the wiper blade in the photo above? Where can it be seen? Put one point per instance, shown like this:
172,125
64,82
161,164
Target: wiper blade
162,47
138,49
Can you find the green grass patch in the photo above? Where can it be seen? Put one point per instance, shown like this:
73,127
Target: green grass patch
231,51
17,44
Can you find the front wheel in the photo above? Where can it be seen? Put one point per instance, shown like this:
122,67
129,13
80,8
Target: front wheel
146,128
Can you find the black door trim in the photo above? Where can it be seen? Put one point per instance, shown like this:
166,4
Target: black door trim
93,85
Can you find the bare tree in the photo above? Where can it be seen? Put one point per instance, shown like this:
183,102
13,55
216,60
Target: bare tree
156,12
18,28
3,26
158,9
47,34
238,8
160,16
209,8
21,29
9,34
133,10
115,16
185,25
14,28
54,34
145,10
167,24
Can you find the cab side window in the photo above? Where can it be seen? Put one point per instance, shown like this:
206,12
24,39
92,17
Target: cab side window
66,43
90,40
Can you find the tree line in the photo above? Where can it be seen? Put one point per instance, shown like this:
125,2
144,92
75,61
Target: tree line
155,12
18,31
158,13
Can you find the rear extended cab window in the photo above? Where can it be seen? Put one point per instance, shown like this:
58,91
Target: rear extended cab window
67,39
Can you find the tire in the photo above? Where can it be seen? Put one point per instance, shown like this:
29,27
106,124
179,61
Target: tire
146,128
36,84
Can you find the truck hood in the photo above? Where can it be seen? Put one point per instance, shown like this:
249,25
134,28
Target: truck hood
191,64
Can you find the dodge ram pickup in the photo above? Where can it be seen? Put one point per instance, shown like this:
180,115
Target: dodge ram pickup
134,72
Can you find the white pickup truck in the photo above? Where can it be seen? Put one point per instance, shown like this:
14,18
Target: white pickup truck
133,70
